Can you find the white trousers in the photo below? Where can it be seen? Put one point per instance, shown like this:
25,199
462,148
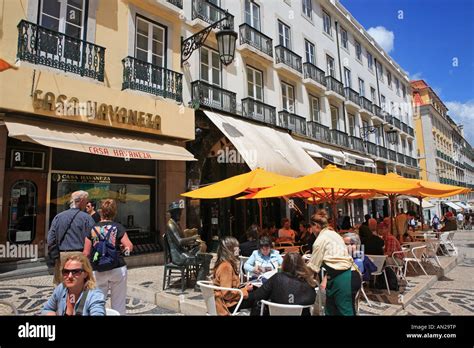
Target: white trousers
116,281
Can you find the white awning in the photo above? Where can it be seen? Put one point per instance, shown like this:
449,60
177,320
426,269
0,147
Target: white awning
424,204
359,160
96,142
265,147
452,205
317,151
462,205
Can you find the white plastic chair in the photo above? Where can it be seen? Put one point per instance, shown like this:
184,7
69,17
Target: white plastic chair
432,246
208,288
111,312
417,254
446,240
379,261
364,294
284,309
243,260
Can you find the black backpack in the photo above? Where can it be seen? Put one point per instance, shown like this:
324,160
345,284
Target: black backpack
391,278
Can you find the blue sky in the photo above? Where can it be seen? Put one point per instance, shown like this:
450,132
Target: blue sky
431,40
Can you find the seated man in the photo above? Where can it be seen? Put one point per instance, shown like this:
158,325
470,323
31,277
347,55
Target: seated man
185,250
286,234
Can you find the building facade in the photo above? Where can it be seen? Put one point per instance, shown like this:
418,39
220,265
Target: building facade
94,103
302,67
445,155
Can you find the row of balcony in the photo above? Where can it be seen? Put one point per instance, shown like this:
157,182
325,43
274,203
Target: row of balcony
445,157
455,183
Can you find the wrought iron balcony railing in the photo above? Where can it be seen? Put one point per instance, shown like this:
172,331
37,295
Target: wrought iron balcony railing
382,152
351,95
404,127
339,137
311,71
256,39
397,123
377,111
334,85
177,3
392,155
43,46
292,122
288,57
213,97
318,131
356,144
366,104
149,78
400,158
210,13
256,110
371,148
389,118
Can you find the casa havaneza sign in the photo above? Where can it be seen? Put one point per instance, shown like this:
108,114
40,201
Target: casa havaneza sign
62,106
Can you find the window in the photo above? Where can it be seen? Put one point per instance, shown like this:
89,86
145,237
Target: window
284,35
389,79
307,8
330,66
255,83
400,114
344,38
335,122
252,14
358,48
372,95
370,61
384,105
327,23
64,16
288,97
392,108
23,207
150,42
314,103
378,134
210,66
361,87
365,125
410,147
351,119
404,91
380,71
309,52
404,145
397,86
347,78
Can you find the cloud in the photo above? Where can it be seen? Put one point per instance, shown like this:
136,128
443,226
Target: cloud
463,113
416,76
384,37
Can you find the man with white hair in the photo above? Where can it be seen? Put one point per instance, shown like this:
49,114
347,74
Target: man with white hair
69,230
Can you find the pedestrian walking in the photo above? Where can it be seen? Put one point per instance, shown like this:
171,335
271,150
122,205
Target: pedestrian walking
104,245
68,231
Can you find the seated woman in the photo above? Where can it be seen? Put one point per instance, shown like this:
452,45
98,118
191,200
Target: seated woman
77,294
373,245
264,259
226,274
293,285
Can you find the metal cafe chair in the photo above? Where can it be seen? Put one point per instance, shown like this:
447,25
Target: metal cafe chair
283,309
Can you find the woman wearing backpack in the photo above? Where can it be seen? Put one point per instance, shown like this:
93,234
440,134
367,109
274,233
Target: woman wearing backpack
104,246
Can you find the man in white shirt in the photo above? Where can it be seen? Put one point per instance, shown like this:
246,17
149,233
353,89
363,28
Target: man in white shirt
460,220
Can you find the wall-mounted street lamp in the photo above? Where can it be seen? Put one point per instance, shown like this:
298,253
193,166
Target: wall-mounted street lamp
226,38
392,134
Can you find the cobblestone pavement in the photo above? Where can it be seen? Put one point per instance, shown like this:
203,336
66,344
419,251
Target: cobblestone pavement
30,294
454,293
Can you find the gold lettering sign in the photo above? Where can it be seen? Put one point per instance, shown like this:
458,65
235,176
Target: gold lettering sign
63,107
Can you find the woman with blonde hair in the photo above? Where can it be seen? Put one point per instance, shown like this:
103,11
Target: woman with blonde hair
104,246
295,284
342,279
77,294
226,274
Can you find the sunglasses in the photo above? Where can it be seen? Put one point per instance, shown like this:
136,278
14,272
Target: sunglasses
75,272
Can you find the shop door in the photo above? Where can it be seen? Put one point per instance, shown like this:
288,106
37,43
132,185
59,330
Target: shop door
25,208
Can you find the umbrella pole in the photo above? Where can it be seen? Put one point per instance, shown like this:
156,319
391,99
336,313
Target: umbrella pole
350,211
260,212
334,209
422,218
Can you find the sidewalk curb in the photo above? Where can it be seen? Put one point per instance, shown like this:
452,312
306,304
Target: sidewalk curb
423,287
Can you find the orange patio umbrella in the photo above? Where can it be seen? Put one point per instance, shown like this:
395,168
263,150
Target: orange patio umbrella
249,183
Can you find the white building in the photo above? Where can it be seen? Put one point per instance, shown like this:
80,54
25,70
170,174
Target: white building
309,67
